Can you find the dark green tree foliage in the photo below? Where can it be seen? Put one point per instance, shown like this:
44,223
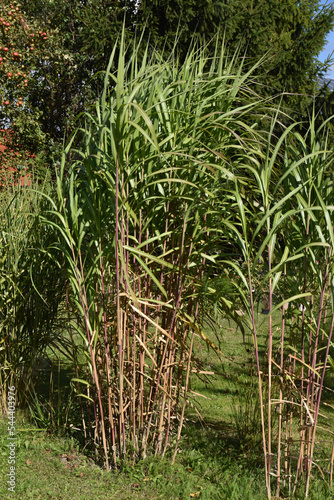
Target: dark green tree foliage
87,32
295,33
288,34
165,20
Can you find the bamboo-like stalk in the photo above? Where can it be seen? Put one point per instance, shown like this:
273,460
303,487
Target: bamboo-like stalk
107,358
303,433
280,406
84,302
76,369
270,348
331,467
264,442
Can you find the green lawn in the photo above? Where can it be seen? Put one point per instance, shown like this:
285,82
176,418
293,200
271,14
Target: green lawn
218,456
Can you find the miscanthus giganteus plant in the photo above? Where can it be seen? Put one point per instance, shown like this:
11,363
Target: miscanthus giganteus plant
136,218
283,230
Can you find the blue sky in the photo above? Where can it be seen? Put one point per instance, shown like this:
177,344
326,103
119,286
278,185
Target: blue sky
328,49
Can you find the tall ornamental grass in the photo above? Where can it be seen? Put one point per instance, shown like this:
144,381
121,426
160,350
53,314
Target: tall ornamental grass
136,217
284,232
30,289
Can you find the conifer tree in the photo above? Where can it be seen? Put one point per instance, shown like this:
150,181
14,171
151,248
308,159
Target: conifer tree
287,34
